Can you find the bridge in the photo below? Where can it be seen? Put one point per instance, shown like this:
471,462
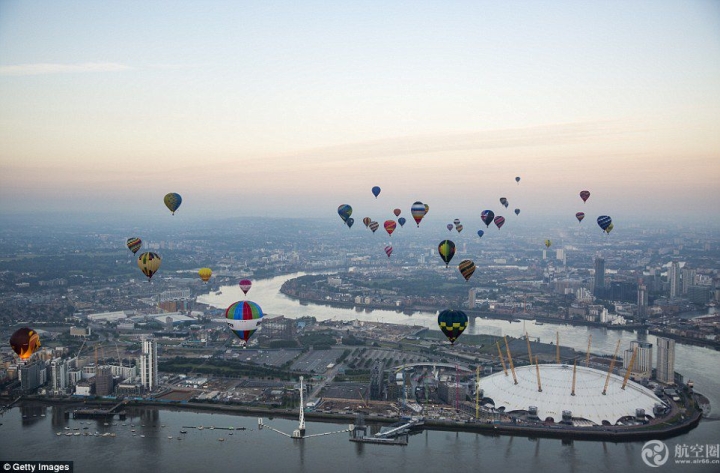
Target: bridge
98,412
433,365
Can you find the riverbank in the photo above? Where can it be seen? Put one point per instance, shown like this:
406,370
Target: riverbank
596,433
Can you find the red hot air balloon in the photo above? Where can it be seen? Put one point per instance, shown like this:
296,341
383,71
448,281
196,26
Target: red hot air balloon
499,221
245,285
390,226
585,195
580,216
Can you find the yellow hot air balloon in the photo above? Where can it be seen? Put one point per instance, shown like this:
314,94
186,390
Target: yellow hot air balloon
149,263
205,274
548,243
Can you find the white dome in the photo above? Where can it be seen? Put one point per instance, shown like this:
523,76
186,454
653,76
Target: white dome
588,402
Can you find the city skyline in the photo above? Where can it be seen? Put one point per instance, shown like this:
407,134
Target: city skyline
292,110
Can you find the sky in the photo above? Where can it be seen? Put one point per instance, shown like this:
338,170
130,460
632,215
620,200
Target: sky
289,109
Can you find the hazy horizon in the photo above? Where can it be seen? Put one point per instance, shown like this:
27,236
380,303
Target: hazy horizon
289,110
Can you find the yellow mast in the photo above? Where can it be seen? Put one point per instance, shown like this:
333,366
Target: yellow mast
527,339
502,360
587,358
630,368
537,367
572,393
512,366
612,365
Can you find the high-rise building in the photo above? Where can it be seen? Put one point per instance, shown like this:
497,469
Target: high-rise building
674,279
642,299
599,286
149,364
687,279
30,377
643,357
665,366
58,375
103,381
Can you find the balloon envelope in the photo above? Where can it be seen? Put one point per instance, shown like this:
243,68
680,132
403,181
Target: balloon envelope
245,285
344,211
481,233
580,216
487,217
25,341
205,274
388,250
397,212
517,211
402,221
243,311
367,221
376,191
604,221
446,248
504,202
548,243
499,222
609,228
459,227
517,179
585,195
418,211
134,244
390,226
349,222
449,226
452,323
149,263
374,226
467,268
173,201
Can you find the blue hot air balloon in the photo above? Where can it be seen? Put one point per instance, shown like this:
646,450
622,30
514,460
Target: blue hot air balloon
376,191
344,211
402,221
487,217
604,221
481,233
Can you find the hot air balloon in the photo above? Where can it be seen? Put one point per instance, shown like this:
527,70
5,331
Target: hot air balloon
517,211
344,211
604,221
585,195
548,243
390,226
449,227
487,217
504,202
467,268
459,227
374,226
245,285
499,222
205,274
427,208
134,244
418,212
446,248
367,221
388,250
609,228
376,191
452,323
243,318
481,233
149,263
397,212
402,221
580,216
25,341
173,201
349,222
517,179
456,221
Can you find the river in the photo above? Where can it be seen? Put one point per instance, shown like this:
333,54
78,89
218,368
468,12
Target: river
29,433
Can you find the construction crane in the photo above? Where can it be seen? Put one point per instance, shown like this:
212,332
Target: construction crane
612,365
629,369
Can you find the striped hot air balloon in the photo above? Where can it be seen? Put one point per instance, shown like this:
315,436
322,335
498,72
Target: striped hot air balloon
467,268
244,318
134,244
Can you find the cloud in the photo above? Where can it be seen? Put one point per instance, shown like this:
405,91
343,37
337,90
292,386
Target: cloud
49,68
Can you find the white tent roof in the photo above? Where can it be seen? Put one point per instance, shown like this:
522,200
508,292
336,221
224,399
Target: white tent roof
556,380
